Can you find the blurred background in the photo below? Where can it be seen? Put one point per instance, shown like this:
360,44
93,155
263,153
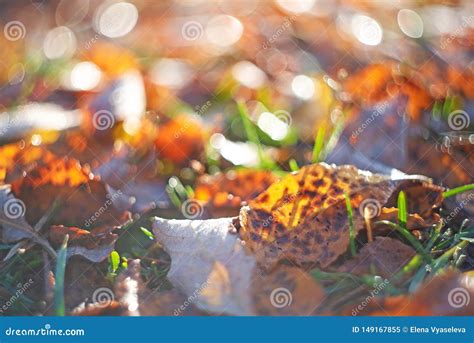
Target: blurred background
383,85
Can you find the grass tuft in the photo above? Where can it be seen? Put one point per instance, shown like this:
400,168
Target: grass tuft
402,210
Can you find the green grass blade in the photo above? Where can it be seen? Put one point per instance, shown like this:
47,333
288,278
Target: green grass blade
114,261
350,217
147,233
189,191
417,280
59,305
402,210
441,261
293,165
318,144
420,275
174,198
458,190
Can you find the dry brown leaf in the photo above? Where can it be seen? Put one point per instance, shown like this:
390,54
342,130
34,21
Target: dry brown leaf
379,81
384,256
449,166
304,218
286,291
224,193
16,158
13,224
79,194
85,283
421,198
449,294
414,221
12,217
95,245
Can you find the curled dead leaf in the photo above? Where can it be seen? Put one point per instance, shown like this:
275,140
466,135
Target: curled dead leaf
384,256
448,294
13,224
286,291
83,200
303,217
414,220
95,245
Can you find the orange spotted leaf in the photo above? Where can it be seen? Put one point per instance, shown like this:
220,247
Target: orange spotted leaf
17,158
224,193
304,217
83,200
